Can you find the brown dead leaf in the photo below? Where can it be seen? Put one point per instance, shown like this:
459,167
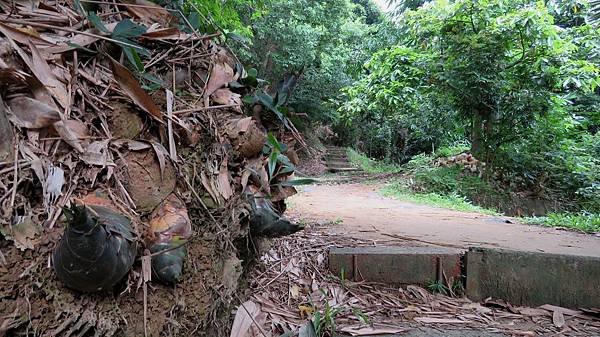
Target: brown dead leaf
32,114
282,192
558,319
208,186
41,69
247,138
132,88
68,135
532,311
294,291
419,292
23,232
80,40
221,74
97,154
133,145
224,184
369,331
433,320
170,219
226,97
565,311
6,134
23,37
11,75
79,129
244,124
149,12
165,34
161,154
248,315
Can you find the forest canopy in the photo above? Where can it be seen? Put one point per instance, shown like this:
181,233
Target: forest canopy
516,81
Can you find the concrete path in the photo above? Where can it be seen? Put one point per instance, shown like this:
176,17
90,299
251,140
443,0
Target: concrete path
366,214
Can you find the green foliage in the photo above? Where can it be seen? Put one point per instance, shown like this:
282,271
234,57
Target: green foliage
279,164
400,6
325,323
438,287
518,78
452,150
585,222
370,165
368,10
400,190
322,44
225,14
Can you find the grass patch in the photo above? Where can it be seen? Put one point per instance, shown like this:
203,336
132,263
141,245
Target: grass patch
369,165
585,222
398,190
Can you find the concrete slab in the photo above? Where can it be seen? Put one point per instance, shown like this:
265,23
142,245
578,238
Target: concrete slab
431,332
395,265
532,279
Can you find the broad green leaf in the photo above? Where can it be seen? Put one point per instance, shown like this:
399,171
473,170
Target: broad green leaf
307,330
127,29
134,58
273,143
78,7
97,22
272,163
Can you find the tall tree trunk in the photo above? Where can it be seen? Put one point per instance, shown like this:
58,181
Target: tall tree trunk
477,135
490,147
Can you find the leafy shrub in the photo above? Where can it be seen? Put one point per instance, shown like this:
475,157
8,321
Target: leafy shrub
453,150
370,165
399,190
585,222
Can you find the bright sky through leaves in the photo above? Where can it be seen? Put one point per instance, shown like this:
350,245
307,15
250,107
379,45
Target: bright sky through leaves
382,4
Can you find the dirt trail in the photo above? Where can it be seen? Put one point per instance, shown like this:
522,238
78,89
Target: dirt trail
366,214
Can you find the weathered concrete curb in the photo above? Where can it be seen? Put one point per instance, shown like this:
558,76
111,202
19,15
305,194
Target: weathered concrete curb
520,278
532,279
395,265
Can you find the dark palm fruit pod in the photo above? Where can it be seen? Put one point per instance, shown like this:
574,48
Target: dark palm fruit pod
265,221
170,227
97,249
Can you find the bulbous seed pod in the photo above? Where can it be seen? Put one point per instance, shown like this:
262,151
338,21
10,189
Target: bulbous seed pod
265,221
97,249
170,227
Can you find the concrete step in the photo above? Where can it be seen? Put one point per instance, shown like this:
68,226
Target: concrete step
336,154
338,163
336,158
344,169
395,265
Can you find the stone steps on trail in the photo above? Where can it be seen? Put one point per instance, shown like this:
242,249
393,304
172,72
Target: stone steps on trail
344,169
337,154
337,161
